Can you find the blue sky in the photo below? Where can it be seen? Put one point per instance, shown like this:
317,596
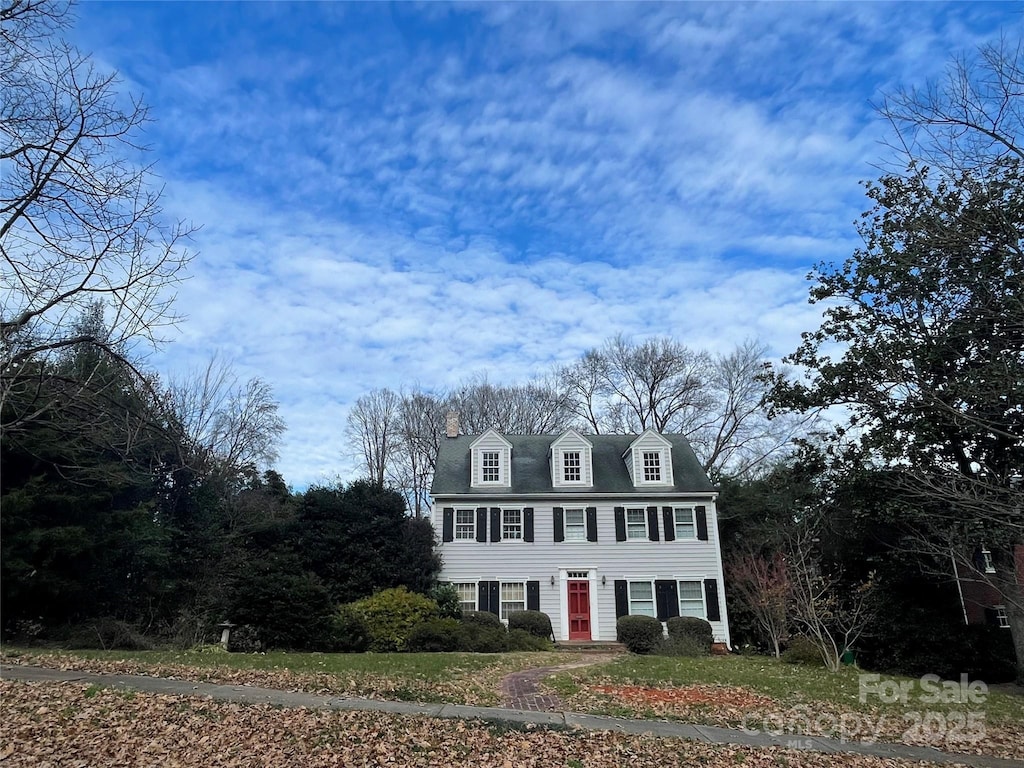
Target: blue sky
398,194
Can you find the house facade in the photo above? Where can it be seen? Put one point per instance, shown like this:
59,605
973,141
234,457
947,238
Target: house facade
585,528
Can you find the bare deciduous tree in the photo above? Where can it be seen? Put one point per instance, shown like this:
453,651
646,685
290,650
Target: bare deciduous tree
80,218
224,424
374,430
762,584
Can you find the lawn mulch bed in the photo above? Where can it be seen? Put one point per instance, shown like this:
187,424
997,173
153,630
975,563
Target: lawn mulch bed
70,724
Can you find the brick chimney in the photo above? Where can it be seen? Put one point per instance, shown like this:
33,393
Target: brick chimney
451,424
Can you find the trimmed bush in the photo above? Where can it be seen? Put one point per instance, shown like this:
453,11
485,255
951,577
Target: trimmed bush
391,615
536,623
483,618
479,637
692,628
447,599
802,650
349,630
640,634
244,639
434,636
681,645
522,640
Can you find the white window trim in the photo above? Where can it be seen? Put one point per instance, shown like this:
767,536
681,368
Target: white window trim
483,452
986,560
476,593
583,456
693,523
565,523
1001,618
647,533
699,580
664,465
505,510
501,598
630,599
472,525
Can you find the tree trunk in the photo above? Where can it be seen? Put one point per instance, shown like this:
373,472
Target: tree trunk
1015,616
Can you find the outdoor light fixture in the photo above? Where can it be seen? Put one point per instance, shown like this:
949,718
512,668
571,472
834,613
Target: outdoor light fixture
552,581
604,580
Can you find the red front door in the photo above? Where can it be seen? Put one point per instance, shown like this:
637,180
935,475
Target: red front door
579,610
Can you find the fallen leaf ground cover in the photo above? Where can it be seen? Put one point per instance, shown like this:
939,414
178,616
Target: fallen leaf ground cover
452,678
765,695
70,724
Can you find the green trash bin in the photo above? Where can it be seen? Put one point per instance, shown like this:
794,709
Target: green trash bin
847,658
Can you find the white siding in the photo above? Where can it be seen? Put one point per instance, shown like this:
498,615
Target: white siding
544,559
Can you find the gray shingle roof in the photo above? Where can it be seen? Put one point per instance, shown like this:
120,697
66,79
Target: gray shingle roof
531,471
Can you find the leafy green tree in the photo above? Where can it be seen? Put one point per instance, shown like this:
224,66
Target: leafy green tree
922,343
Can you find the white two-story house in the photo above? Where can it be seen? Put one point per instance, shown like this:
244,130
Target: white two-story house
585,528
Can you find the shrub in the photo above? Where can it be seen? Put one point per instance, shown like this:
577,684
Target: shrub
434,636
480,637
349,630
802,650
390,616
640,634
523,640
447,600
483,618
681,645
108,634
244,639
693,628
536,623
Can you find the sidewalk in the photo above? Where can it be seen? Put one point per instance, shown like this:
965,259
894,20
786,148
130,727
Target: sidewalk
251,695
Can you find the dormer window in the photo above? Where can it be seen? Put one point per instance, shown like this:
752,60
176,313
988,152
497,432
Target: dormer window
571,460
491,466
649,460
652,467
571,466
492,460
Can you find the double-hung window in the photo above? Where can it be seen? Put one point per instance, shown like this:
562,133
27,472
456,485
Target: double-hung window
652,466
1001,618
641,599
467,595
691,599
512,524
513,598
686,528
636,524
986,560
490,463
572,467
465,524
575,525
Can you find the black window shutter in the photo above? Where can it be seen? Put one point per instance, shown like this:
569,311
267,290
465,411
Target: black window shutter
666,596
481,523
533,595
620,523
447,524
711,599
992,617
528,524
483,596
669,520
652,523
495,524
621,598
494,603
591,523
702,523
558,518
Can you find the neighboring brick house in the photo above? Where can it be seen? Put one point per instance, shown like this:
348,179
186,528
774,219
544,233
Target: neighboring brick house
981,601
585,528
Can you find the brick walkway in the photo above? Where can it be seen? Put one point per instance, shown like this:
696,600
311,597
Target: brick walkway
520,690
